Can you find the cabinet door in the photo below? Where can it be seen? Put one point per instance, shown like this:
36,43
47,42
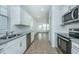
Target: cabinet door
65,9
25,17
15,14
3,23
23,44
13,49
3,10
72,6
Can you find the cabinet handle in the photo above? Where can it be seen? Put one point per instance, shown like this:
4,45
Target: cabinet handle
20,44
63,38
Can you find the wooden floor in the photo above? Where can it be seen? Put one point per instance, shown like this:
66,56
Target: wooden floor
41,45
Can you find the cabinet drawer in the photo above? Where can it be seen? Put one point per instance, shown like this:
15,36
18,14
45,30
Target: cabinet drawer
6,45
73,51
75,48
11,50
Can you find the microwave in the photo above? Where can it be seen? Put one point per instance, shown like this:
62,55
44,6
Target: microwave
71,16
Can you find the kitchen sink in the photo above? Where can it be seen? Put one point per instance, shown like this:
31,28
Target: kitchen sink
10,36
3,37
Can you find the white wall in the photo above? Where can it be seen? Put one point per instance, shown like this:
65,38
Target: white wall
55,23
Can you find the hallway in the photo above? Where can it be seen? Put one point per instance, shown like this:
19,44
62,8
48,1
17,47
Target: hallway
41,45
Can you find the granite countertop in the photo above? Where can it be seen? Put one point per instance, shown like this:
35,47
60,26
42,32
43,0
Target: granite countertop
66,35
4,41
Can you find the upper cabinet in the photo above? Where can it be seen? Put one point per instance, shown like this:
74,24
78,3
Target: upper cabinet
67,8
19,16
25,17
72,6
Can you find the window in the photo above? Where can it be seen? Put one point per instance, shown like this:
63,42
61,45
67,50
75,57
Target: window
43,27
3,17
40,26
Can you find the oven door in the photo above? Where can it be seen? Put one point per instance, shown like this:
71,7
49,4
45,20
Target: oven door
64,45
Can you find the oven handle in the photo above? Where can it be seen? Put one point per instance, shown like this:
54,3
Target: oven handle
64,38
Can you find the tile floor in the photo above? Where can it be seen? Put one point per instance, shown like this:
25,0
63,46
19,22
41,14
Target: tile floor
41,45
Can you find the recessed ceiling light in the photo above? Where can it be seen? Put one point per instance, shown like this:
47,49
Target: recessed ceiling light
42,9
38,16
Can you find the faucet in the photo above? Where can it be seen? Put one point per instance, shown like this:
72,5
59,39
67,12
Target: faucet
7,33
11,32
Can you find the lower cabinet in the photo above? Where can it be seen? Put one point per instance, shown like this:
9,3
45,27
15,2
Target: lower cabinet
75,48
17,46
14,49
23,44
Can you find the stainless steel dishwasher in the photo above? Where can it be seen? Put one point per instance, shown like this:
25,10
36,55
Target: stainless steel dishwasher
28,40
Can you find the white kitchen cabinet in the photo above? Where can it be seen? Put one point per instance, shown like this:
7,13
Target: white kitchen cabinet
65,9
17,46
72,6
14,49
75,48
23,44
3,23
26,18
3,10
19,16
15,14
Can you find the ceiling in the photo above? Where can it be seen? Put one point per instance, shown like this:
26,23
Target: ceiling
38,11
